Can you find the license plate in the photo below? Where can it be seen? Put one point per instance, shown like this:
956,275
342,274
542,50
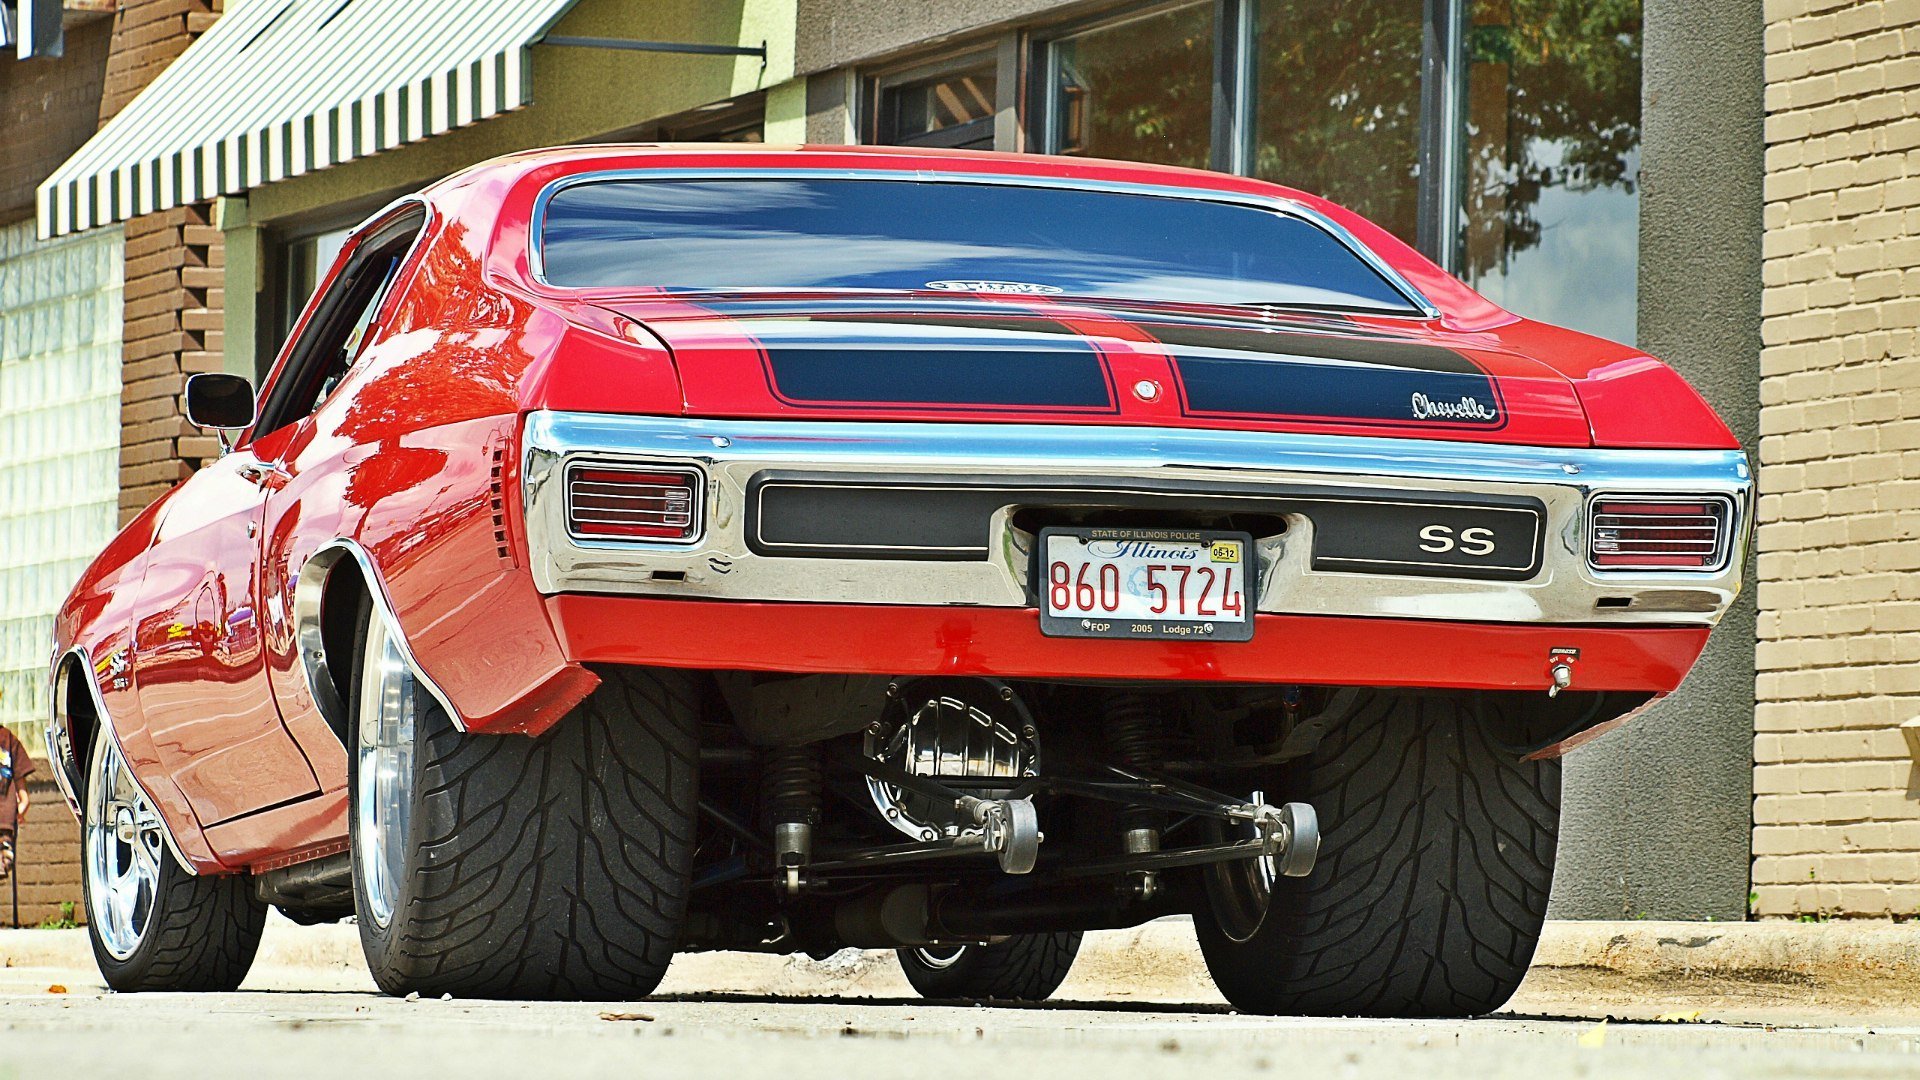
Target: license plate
1190,584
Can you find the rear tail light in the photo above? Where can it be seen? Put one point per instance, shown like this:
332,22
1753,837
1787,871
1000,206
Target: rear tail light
1659,532
614,502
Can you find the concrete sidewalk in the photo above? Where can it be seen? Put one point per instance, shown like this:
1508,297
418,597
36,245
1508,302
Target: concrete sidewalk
1726,970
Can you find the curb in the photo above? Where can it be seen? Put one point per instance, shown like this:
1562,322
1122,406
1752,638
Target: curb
1158,961
1772,951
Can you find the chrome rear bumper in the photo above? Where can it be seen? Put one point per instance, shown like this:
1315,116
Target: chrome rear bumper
1176,468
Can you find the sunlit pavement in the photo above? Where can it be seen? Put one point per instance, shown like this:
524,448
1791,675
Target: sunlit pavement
308,1012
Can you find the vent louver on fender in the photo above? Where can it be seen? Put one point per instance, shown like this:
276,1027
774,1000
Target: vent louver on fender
497,507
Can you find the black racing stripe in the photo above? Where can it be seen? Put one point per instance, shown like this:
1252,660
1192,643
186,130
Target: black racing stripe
987,374
1266,386
1378,352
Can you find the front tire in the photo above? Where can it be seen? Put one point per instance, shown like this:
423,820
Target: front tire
554,867
153,925
1436,859
1025,967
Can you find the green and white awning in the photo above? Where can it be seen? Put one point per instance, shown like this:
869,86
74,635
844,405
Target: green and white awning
277,88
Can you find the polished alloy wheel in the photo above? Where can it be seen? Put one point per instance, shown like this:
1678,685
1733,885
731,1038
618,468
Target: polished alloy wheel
940,959
125,844
384,764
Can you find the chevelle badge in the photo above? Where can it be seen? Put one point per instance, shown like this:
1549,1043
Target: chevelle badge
1016,288
1467,408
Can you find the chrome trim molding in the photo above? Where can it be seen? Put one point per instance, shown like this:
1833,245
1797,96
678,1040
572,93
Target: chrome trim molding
536,265
308,590
733,453
78,654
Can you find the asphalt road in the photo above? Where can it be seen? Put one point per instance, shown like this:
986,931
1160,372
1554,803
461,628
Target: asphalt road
758,1017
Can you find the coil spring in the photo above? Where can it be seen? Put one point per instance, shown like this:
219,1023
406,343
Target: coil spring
1135,731
790,784
1140,740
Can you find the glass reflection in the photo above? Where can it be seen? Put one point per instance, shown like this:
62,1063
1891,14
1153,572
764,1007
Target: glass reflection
725,235
1140,89
1552,208
1338,104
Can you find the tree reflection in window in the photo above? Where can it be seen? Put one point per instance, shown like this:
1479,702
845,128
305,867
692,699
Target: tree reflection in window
1553,142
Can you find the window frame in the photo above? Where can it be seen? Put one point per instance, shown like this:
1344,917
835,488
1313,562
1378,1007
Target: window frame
1026,117
330,312
874,88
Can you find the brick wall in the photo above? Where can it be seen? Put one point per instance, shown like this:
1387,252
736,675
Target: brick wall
173,284
1837,800
47,109
47,858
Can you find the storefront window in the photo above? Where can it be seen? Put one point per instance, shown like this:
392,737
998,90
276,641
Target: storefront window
1553,136
1140,89
1338,100
952,106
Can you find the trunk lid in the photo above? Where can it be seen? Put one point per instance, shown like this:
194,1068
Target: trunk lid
1022,361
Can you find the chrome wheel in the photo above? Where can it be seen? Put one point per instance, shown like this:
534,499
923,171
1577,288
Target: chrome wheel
383,790
940,959
125,843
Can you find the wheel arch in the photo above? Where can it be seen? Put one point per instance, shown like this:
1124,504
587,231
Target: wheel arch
78,707
336,584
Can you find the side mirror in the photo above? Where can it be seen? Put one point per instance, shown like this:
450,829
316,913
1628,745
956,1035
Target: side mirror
221,402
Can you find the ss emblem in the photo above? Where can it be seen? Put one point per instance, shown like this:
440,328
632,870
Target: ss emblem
1475,541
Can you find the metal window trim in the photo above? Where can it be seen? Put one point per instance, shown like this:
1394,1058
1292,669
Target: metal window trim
1723,532
1418,304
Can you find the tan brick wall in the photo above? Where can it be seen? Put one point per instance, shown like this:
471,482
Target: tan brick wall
172,315
1836,798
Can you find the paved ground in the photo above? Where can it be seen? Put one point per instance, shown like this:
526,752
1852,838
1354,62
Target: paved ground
1132,1009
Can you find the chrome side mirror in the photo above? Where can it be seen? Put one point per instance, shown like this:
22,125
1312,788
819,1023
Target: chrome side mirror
221,402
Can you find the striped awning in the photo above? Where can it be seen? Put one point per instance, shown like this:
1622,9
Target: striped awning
277,88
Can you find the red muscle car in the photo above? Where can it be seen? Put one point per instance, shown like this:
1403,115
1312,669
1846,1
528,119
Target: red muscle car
646,549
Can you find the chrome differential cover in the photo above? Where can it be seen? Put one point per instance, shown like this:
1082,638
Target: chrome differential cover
125,846
958,731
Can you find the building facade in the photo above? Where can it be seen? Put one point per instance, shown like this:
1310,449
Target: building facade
1837,788
1613,165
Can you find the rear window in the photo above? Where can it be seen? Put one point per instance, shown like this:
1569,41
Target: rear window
849,234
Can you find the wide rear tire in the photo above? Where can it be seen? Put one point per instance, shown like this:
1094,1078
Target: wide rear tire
555,867
1025,967
1435,863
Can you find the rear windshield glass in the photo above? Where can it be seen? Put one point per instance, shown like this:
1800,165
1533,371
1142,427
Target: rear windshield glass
829,234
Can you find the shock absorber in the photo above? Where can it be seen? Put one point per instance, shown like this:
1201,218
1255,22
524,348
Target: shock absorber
1139,740
790,789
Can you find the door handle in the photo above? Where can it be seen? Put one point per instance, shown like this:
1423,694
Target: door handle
263,475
